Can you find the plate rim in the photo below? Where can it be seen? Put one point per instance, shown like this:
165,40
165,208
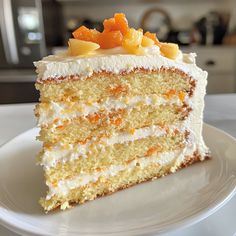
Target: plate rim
191,220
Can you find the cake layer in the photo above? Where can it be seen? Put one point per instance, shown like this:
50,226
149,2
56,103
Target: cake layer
101,158
56,112
86,188
62,153
102,85
102,124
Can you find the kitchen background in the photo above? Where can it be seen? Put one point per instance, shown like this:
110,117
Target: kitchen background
31,29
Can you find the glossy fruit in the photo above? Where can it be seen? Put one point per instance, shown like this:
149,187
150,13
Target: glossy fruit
109,24
147,42
153,37
121,22
80,47
110,39
117,23
83,33
169,50
132,42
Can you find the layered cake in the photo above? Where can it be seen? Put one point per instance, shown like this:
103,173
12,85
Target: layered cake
117,109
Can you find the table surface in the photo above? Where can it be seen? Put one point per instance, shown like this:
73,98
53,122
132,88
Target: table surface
220,111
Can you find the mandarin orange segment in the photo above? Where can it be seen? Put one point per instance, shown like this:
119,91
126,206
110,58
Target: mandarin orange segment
169,50
83,33
109,24
117,23
121,22
110,39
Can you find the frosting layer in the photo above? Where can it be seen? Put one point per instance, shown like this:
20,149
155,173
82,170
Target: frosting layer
114,61
60,111
60,154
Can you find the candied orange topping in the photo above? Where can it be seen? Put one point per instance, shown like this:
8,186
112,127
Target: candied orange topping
117,33
83,33
121,22
110,39
110,24
117,23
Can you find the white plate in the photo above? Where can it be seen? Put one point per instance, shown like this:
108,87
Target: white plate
169,203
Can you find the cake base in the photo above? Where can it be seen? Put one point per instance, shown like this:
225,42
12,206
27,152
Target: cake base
123,180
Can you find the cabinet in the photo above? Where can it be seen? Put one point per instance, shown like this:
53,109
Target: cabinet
220,63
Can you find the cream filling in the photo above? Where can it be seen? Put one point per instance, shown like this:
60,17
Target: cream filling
115,61
58,154
66,111
164,159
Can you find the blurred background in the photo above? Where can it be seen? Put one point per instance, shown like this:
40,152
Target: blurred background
31,29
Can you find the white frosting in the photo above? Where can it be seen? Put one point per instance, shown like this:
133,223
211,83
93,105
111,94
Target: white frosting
65,111
196,115
114,61
57,154
164,159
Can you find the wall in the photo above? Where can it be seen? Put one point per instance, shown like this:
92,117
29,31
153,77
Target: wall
183,13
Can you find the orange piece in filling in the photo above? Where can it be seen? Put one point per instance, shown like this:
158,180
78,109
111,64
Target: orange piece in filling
93,118
181,96
153,150
170,93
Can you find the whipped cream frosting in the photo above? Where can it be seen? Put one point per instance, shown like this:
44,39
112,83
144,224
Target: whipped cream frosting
174,158
114,61
61,111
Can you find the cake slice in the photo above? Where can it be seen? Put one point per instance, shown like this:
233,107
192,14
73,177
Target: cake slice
119,108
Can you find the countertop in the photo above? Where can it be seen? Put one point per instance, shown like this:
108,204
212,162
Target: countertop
220,111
